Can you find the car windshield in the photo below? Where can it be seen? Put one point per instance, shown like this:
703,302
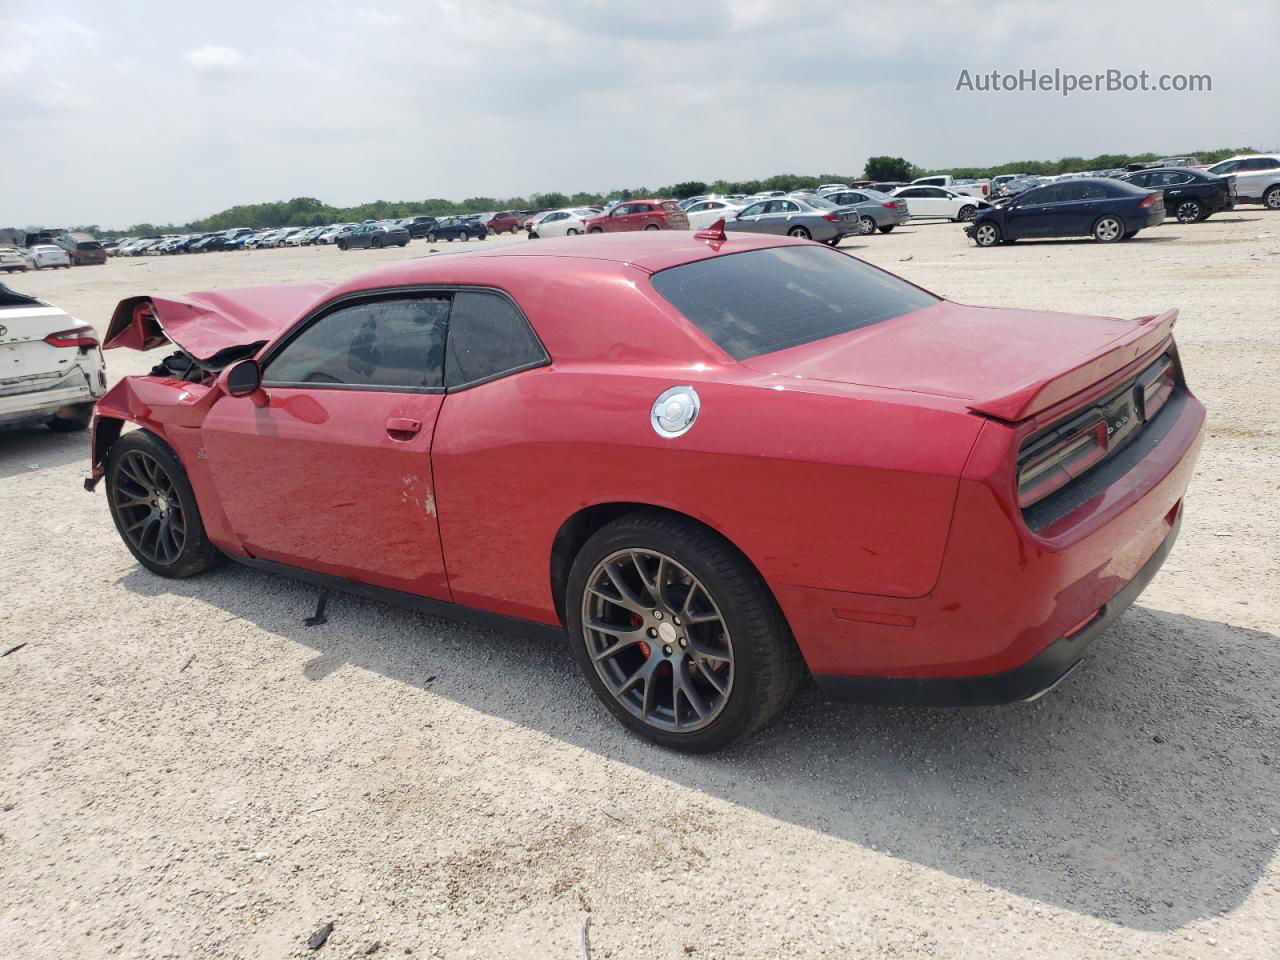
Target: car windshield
761,301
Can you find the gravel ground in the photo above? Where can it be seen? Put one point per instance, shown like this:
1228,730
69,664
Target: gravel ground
186,770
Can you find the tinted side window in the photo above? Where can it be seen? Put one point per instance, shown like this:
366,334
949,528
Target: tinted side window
1043,195
487,337
379,343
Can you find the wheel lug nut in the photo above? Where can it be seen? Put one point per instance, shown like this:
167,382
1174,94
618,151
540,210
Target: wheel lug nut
652,632
676,621
667,651
683,643
657,614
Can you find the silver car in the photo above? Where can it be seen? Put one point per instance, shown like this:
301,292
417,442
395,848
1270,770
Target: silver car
809,218
876,210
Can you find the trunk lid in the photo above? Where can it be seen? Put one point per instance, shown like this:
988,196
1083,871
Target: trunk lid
25,357
1007,364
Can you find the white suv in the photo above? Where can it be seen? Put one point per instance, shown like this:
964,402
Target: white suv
1257,178
53,371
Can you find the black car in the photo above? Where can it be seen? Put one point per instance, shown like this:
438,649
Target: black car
375,235
456,228
418,226
208,244
1107,210
1189,195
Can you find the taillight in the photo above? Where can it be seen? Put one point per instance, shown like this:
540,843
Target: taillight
833,217
75,337
1055,460
986,188
891,205
1157,386
1149,200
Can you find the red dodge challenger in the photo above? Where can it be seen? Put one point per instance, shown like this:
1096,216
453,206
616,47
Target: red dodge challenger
718,463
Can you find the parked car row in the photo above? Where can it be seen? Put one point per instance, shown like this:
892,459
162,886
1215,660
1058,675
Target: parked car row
39,257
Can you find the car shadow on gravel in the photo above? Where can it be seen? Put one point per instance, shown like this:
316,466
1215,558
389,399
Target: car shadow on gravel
25,449
1142,791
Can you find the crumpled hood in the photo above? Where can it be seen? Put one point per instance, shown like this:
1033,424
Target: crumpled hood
206,323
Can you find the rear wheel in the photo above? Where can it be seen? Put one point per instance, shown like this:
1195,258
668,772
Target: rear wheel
1189,211
866,226
431,238
677,634
571,232
342,244
888,228
800,233
966,212
376,243
1108,229
154,507
651,226
1130,235
71,419
596,230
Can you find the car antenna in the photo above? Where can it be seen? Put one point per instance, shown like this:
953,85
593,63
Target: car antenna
714,232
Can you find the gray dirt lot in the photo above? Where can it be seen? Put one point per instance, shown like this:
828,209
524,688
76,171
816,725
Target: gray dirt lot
188,771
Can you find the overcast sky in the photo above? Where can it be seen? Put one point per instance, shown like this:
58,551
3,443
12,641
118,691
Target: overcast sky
122,112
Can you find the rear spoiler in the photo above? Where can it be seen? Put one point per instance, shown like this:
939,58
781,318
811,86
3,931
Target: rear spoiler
207,325
1026,401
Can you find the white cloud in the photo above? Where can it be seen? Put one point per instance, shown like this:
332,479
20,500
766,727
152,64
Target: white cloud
215,60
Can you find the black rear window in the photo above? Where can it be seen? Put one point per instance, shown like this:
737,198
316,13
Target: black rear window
765,300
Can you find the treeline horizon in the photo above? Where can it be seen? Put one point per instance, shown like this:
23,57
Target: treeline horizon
310,212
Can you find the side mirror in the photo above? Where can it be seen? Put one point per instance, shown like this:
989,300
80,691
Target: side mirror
244,379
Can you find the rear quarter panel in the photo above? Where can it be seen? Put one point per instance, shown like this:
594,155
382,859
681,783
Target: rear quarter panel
818,490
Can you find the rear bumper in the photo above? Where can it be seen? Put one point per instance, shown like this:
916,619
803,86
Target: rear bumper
1006,594
1028,682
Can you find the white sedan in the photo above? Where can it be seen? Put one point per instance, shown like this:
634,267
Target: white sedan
568,222
48,255
51,368
11,259
938,202
706,212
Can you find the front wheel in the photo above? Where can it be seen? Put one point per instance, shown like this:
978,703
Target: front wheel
376,243
596,230
888,228
342,245
651,226
431,238
1271,199
866,226
571,232
677,633
1108,229
1189,211
966,213
800,233
986,235
154,507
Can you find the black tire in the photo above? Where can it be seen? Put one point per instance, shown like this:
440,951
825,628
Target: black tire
1188,211
1130,235
341,245
376,243
405,244
532,235
196,554
1107,229
651,226
1271,199
78,420
888,228
766,666
966,213
431,238
596,230
987,234
866,226
800,233
572,232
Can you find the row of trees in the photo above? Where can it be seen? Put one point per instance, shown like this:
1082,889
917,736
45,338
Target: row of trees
308,211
